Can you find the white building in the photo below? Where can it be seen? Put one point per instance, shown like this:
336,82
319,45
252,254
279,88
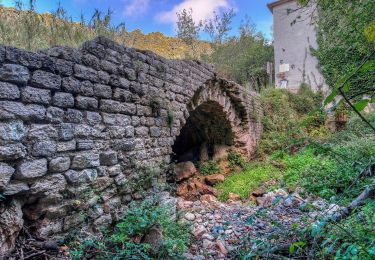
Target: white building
294,35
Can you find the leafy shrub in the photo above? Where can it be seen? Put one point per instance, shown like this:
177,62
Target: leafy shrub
290,119
209,167
351,238
122,243
242,183
235,159
343,44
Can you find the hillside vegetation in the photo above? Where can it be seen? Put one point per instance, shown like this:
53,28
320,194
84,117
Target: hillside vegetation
28,30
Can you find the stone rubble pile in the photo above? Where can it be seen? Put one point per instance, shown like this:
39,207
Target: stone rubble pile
219,230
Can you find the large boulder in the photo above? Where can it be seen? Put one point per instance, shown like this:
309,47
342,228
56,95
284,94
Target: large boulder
11,223
214,179
184,170
154,238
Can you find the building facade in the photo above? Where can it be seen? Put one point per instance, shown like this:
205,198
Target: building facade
294,36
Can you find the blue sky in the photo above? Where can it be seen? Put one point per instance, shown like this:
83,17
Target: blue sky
160,15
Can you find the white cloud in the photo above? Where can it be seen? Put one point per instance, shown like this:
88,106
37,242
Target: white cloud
202,9
136,7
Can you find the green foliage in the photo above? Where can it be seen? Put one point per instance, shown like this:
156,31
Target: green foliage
209,167
235,159
345,38
242,58
242,183
121,242
290,119
352,238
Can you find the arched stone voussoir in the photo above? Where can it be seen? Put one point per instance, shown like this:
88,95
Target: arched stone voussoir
233,100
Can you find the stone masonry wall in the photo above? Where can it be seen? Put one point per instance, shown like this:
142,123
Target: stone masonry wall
85,131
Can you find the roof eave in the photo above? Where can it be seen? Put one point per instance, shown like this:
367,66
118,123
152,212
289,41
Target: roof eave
272,5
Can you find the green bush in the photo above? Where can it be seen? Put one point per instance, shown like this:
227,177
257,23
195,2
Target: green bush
235,159
343,43
290,119
209,167
121,243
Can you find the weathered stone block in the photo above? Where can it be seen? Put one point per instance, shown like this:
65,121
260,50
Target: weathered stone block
94,48
118,81
61,67
9,91
11,223
44,148
103,91
14,73
108,66
86,131
91,61
103,77
155,131
108,158
85,176
117,107
44,79
13,110
36,95
88,160
137,88
116,119
73,116
66,132
128,73
122,95
41,132
16,188
121,131
85,145
59,164
141,131
31,169
62,99
93,118
86,103
12,131
65,53
66,146
114,170
12,152
75,86
49,185
55,115
124,145
83,72
136,121
6,172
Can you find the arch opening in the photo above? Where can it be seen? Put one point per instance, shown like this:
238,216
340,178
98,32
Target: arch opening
206,128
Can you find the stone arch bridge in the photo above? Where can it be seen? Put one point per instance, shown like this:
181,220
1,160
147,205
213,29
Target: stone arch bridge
77,126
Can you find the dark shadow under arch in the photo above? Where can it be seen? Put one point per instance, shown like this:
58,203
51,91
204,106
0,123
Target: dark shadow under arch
206,127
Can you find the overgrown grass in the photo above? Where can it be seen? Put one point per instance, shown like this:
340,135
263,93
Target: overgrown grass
124,241
252,177
22,27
